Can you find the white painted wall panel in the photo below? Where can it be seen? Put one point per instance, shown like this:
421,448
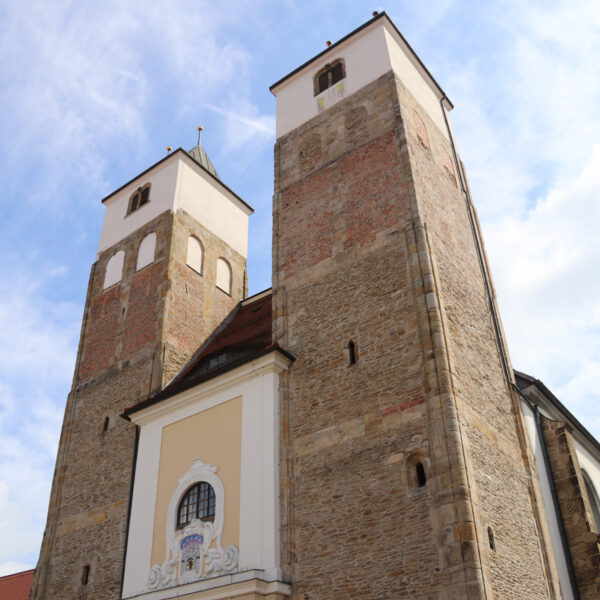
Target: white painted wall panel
559,555
146,251
114,269
200,196
118,225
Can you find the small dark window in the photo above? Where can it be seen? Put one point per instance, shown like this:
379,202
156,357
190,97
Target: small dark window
105,426
337,73
351,353
138,198
329,75
323,81
144,195
85,575
421,477
491,539
197,503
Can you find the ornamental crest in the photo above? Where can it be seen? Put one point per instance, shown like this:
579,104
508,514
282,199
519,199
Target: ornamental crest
194,552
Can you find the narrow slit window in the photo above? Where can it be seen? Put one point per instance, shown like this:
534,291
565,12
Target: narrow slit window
351,353
491,539
421,477
105,425
85,575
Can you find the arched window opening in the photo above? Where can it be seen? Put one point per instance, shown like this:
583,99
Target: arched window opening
114,269
198,502
329,76
491,540
85,575
593,498
351,353
224,276
195,254
139,198
146,250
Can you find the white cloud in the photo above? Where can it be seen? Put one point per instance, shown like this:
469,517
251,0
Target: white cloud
244,126
13,566
528,130
36,366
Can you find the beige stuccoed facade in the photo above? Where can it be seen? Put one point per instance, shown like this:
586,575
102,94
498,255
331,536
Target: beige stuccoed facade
359,428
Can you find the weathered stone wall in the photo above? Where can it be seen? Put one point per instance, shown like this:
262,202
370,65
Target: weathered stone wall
373,243
135,337
195,306
355,522
582,537
490,420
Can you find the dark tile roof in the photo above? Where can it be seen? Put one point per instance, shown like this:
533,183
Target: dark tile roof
16,586
244,335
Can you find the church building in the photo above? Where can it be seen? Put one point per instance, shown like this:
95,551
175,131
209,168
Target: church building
355,432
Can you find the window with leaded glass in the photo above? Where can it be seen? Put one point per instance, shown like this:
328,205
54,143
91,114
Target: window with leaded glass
197,503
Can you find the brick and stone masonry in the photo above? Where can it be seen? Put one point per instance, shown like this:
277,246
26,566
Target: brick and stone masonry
135,337
580,529
372,244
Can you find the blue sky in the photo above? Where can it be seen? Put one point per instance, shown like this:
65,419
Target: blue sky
93,92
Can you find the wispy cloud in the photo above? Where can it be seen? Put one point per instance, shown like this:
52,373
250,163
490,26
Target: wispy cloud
527,126
36,364
244,125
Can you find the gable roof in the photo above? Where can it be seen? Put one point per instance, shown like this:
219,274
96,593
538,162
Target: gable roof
244,335
16,586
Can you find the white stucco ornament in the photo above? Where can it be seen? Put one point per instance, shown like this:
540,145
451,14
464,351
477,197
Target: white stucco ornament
194,552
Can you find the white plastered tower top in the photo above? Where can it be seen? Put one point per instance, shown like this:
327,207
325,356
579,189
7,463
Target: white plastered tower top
369,52
178,181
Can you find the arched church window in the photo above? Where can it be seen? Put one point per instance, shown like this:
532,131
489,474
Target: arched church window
146,251
197,503
114,269
195,254
329,75
224,275
139,198
593,498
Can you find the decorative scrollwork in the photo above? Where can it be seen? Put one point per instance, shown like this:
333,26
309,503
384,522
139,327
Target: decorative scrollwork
194,552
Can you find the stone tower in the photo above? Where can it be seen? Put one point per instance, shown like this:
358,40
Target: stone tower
171,265
405,470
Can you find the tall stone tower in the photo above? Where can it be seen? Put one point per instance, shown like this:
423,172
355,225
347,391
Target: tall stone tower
171,265
405,471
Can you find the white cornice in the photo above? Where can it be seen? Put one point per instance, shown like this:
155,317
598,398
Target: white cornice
243,584
273,362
